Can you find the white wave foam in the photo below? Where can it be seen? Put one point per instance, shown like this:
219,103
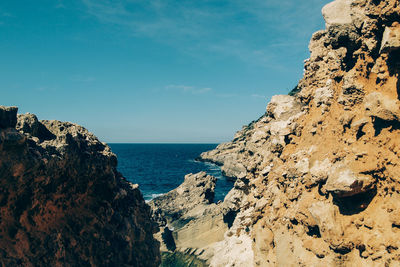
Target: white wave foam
151,197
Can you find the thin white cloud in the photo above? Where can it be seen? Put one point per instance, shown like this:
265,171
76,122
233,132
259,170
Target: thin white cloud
188,89
204,90
242,29
258,96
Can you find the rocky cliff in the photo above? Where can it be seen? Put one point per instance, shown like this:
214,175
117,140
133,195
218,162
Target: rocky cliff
317,177
62,202
189,221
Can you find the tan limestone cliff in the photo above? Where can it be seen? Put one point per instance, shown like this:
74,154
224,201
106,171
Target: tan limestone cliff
321,183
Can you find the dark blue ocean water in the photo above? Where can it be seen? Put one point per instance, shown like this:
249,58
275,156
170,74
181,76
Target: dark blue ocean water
159,168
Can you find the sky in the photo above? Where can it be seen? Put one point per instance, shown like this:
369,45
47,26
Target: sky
159,71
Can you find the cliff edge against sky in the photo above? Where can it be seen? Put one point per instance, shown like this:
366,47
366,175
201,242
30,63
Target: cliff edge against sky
318,174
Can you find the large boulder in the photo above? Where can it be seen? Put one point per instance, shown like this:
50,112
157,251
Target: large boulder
391,38
337,13
197,190
282,107
343,182
233,169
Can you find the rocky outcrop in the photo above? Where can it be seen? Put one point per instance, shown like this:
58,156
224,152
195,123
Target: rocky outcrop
391,38
320,186
189,219
62,202
273,129
180,205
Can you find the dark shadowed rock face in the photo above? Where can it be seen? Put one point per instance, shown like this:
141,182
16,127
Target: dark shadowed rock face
62,202
8,117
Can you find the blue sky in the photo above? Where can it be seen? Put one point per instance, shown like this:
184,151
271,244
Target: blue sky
153,71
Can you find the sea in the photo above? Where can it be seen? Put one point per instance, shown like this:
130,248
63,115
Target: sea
159,168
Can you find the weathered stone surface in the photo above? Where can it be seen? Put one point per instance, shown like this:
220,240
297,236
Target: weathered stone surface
8,117
322,167
197,190
190,216
352,90
233,251
391,38
282,107
28,123
325,216
324,95
337,12
378,105
344,182
319,171
233,170
276,125
63,203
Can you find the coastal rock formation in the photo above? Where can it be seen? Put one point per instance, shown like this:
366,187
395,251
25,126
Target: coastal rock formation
189,219
319,172
179,205
62,202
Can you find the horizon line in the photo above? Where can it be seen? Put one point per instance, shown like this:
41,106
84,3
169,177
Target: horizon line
163,143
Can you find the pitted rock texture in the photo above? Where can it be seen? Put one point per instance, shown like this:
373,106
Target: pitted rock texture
189,219
62,202
196,190
321,184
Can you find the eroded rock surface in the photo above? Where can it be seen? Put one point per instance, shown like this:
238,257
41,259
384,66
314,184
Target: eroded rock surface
62,202
321,186
189,219
180,205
